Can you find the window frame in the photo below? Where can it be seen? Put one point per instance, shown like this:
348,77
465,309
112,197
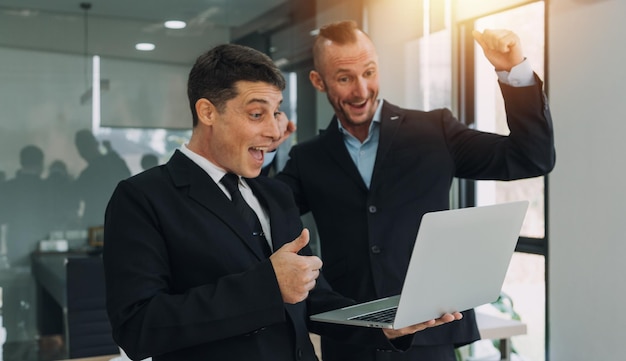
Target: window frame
466,189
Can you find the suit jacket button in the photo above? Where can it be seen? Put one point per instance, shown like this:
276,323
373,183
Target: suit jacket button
299,353
375,249
372,209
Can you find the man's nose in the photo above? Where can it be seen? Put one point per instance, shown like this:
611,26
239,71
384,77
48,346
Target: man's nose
360,88
272,129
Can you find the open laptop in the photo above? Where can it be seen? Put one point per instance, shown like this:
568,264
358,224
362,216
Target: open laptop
459,262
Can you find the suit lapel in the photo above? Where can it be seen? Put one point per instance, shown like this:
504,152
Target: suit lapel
333,142
203,190
391,118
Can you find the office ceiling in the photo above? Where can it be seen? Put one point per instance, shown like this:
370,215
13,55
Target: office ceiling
113,27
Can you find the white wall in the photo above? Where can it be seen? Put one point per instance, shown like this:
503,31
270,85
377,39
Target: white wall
391,24
466,9
587,213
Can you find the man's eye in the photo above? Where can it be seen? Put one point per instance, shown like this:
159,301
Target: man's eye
256,115
277,114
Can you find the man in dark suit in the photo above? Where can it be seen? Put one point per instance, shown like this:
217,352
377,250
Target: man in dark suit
373,173
186,276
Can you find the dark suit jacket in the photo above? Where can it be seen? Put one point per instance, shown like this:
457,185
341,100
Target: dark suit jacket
184,282
366,234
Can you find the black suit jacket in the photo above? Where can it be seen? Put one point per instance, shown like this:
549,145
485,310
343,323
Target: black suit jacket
184,282
367,235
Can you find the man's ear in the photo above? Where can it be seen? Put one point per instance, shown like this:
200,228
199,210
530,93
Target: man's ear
316,80
206,111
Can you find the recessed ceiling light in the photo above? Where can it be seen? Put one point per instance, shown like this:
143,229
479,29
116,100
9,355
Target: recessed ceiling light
175,24
144,46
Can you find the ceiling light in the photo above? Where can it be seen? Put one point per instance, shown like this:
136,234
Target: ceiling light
144,46
175,24
281,62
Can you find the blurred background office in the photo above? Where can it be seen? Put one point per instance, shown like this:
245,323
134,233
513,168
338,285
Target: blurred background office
92,92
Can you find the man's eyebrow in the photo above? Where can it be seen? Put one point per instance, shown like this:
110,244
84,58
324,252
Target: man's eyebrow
261,100
257,100
343,70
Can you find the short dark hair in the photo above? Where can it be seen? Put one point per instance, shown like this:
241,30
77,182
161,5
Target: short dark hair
216,72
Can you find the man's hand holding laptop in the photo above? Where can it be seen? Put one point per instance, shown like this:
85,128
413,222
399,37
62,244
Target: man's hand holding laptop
296,282
445,318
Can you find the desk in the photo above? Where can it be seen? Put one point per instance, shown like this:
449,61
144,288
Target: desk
71,292
49,272
498,328
50,275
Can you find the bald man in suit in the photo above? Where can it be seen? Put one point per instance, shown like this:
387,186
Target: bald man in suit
371,175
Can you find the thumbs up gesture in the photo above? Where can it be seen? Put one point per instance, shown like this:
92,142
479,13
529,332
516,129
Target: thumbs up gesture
295,274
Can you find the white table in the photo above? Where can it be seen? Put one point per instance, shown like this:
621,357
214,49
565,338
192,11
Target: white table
498,328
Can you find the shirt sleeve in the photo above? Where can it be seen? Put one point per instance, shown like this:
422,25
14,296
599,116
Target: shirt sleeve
520,75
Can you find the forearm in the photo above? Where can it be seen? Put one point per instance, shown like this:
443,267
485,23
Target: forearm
527,151
323,298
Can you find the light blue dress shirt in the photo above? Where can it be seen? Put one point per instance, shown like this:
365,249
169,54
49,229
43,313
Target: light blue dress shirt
364,154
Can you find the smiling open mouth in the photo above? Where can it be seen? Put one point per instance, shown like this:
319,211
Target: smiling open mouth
258,152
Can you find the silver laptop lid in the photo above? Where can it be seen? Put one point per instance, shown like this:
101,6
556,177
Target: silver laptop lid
459,260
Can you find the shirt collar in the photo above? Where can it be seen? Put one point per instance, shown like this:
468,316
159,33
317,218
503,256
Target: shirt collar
216,173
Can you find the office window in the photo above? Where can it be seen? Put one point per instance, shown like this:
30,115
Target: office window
528,22
482,106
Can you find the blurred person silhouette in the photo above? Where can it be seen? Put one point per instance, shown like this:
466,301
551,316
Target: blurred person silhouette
97,180
148,161
24,207
63,203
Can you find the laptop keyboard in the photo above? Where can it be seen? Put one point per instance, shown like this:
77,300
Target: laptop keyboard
383,316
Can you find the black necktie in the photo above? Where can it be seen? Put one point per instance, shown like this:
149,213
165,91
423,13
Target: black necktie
230,181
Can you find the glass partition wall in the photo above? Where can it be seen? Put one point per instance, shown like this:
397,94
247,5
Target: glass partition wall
71,126
60,161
